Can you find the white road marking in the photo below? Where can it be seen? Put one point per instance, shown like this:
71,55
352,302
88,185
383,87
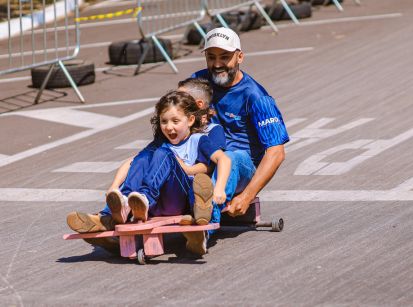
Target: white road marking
3,156
72,117
89,167
51,195
336,196
75,137
338,20
180,61
135,144
314,165
314,132
401,193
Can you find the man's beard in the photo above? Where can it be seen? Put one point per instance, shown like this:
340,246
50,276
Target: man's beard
225,79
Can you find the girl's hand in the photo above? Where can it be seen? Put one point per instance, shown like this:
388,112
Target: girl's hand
219,196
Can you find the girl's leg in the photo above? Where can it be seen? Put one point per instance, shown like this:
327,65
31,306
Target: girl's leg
166,186
138,168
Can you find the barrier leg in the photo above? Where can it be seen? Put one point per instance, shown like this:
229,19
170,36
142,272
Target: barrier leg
266,17
142,58
39,94
165,54
338,5
289,12
222,21
199,29
72,83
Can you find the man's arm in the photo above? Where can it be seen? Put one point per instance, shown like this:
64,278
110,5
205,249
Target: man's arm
268,166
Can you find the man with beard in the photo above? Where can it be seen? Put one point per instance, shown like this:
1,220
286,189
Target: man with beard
253,125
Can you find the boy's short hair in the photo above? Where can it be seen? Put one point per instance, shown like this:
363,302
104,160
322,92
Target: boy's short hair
198,88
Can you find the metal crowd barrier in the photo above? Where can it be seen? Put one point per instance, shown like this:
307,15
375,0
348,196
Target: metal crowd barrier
38,34
338,5
162,16
217,7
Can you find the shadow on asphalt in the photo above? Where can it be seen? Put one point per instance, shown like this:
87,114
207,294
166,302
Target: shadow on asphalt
24,100
174,246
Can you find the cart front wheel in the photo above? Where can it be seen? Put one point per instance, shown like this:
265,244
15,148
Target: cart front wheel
141,257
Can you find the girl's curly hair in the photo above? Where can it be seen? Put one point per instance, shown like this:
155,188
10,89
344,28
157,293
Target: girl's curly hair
181,100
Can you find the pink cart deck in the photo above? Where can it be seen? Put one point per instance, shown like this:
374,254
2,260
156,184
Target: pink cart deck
152,232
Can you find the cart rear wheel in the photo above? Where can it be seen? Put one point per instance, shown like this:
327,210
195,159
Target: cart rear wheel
277,225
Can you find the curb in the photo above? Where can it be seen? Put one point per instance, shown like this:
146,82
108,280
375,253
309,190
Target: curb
38,18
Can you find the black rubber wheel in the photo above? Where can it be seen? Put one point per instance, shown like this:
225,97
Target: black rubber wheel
193,37
302,10
277,225
141,257
130,52
81,72
240,20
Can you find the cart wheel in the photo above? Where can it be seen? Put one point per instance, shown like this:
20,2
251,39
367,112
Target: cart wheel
277,226
141,257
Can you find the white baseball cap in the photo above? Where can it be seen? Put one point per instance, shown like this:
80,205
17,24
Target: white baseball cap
222,38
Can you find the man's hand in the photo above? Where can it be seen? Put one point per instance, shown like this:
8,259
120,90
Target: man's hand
239,205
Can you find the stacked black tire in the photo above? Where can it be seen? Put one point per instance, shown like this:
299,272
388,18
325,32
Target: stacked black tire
239,21
132,52
277,11
81,72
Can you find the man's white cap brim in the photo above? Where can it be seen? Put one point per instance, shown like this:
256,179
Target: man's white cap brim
222,38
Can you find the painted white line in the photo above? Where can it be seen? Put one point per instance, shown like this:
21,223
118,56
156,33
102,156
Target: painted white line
338,20
333,196
90,167
72,138
51,195
181,61
93,105
77,195
9,80
72,117
135,144
60,49
3,156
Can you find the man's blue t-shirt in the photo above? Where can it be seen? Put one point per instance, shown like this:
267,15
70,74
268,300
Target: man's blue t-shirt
249,116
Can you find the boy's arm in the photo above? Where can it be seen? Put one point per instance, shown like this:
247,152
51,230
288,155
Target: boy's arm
121,174
224,168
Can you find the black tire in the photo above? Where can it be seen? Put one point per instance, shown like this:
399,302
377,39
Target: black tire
81,72
193,37
130,52
240,20
302,10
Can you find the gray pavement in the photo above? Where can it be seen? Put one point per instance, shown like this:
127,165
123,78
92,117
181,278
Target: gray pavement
344,83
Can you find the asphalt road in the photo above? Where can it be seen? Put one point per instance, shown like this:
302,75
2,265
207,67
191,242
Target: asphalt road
344,82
